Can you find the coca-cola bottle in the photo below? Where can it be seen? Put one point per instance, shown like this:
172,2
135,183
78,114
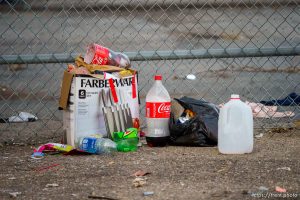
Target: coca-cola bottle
100,55
158,104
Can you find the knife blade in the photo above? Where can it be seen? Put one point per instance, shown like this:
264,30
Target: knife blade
114,111
104,111
122,107
112,122
119,113
126,110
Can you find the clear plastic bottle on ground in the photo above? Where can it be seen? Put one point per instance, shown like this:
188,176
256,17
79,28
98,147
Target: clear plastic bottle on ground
97,145
158,104
235,127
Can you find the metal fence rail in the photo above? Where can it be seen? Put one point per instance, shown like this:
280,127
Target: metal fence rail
159,55
246,47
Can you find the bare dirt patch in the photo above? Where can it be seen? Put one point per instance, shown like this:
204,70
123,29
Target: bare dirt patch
175,172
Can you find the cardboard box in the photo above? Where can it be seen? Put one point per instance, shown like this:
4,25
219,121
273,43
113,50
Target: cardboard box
82,113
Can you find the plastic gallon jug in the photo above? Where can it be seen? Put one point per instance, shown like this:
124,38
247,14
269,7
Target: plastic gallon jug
235,127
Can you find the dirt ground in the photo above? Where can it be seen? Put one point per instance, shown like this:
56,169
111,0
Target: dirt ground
175,172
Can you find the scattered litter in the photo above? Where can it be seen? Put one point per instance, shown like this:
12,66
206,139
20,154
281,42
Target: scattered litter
221,194
259,135
77,70
297,123
127,141
280,130
144,142
293,99
52,185
223,169
284,168
54,147
18,144
50,148
37,155
46,168
111,163
142,134
12,178
101,197
21,117
100,55
190,77
74,195
205,118
148,193
263,188
140,173
244,192
229,165
261,111
97,145
76,152
279,189
139,181
14,194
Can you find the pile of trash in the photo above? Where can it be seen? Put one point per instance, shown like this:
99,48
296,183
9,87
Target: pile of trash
113,125
103,61
101,98
93,144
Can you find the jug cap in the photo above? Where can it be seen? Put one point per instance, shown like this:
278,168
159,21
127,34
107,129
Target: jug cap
235,96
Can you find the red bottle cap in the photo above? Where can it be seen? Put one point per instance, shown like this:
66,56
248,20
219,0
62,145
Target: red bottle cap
158,77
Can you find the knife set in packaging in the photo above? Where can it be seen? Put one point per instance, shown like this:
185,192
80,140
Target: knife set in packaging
98,106
117,115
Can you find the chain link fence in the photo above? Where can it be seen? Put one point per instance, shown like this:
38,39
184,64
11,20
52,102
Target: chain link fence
245,47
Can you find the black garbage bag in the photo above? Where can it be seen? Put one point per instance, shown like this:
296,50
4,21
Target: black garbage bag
201,130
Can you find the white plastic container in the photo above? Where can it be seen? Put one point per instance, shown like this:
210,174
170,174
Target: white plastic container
235,127
158,104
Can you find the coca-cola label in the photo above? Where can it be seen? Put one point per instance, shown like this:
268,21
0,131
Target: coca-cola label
158,109
101,55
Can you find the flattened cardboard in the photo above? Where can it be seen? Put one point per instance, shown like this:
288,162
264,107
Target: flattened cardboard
65,90
66,87
177,109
